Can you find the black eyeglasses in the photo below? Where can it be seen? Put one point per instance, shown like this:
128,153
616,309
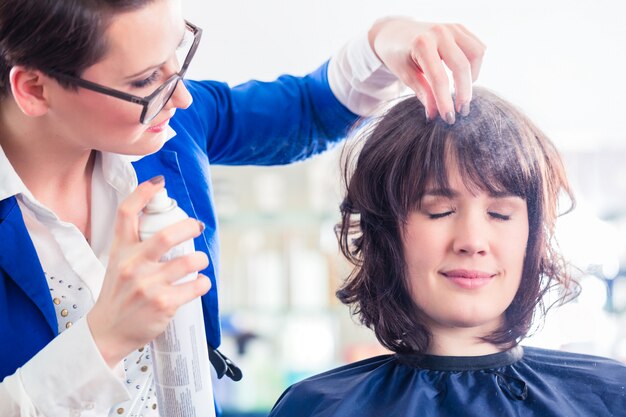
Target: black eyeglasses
154,103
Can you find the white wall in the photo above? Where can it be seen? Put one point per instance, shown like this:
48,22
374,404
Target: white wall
563,62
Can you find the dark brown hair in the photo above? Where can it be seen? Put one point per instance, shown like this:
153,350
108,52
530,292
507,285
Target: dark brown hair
66,36
497,149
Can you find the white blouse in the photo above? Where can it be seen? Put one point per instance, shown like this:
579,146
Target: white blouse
69,376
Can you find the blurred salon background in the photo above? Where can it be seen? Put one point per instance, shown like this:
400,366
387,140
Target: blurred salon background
562,62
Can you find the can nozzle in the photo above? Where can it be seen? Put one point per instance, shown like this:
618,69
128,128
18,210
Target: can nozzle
160,203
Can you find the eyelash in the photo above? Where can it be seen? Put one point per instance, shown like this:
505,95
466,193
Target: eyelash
147,81
439,215
497,216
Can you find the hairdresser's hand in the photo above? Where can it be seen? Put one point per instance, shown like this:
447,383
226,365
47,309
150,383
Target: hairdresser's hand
416,53
138,299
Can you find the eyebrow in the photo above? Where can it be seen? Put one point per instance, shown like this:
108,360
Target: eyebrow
154,67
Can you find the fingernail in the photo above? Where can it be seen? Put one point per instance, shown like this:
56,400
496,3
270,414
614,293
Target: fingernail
157,180
202,226
450,118
207,278
465,109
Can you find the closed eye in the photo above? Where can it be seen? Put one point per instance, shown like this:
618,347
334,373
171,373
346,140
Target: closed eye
499,216
440,215
146,81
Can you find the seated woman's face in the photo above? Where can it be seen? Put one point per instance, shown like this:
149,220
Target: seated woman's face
464,255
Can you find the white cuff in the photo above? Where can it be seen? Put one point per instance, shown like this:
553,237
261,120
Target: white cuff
69,377
359,80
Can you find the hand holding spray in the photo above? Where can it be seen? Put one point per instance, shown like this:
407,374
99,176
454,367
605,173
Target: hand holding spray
180,354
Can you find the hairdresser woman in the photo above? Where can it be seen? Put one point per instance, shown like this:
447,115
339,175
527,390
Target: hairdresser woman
93,122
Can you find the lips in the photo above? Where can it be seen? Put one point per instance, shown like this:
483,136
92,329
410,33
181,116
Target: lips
158,127
466,273
468,279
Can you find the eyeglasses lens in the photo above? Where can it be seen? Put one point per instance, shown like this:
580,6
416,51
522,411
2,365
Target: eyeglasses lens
158,101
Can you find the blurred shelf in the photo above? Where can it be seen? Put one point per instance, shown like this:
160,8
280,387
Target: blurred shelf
259,220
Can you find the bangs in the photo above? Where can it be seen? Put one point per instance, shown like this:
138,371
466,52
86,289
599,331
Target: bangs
496,149
488,163
494,153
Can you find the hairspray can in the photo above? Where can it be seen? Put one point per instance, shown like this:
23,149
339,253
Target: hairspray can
180,354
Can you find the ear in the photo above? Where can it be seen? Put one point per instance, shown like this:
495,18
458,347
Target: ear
28,88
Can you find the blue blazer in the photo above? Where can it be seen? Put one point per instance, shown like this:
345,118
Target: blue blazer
255,123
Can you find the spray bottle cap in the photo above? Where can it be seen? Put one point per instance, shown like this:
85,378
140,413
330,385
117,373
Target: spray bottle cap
160,203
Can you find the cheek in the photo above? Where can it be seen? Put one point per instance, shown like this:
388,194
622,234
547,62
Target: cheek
416,244
515,249
102,109
115,112
423,250
114,121
113,125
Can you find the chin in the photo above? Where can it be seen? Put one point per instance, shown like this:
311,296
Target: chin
149,144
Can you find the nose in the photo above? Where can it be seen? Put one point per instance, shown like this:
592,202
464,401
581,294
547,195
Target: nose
181,98
470,236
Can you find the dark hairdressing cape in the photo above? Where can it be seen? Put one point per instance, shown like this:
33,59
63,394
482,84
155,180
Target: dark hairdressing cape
518,382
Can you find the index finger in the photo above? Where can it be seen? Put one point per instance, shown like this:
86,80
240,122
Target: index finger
459,65
426,55
164,240
127,217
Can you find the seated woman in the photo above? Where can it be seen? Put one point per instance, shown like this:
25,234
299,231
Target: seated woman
450,231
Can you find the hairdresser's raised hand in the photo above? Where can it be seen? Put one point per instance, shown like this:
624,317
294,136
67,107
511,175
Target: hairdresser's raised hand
416,53
138,299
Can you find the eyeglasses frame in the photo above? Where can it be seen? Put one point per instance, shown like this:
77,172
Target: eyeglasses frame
143,101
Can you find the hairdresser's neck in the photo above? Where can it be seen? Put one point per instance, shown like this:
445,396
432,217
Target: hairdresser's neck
46,163
460,342
55,172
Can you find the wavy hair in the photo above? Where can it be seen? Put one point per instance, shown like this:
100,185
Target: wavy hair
385,171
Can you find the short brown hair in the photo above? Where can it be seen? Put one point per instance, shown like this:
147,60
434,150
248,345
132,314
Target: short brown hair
497,149
66,36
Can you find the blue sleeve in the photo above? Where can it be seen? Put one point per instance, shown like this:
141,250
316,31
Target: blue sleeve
265,123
